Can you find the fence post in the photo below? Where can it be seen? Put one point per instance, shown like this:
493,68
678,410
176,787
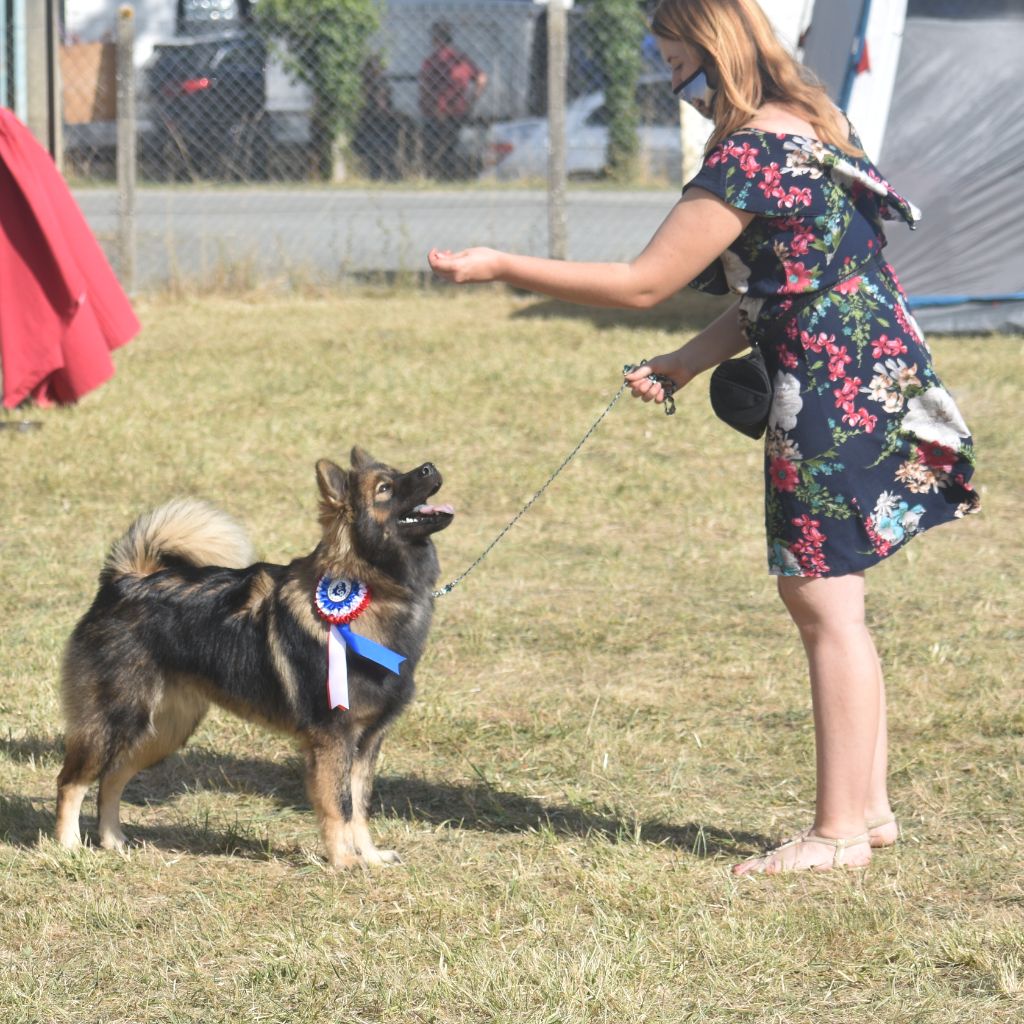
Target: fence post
557,61
126,135
42,100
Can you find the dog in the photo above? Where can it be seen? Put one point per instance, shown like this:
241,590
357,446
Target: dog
184,617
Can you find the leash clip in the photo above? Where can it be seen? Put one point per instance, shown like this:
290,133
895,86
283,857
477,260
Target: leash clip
667,384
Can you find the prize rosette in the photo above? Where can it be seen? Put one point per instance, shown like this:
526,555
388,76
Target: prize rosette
339,601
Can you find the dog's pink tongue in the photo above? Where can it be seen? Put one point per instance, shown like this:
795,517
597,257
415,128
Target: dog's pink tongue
433,510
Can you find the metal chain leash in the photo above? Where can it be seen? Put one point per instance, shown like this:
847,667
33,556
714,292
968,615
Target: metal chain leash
670,408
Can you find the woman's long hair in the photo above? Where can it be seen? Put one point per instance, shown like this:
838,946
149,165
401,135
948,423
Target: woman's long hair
748,66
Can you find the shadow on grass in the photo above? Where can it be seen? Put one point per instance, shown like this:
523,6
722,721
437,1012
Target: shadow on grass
23,822
477,806
483,808
32,749
685,311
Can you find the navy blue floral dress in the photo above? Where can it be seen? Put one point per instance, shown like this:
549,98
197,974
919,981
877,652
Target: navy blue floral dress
864,447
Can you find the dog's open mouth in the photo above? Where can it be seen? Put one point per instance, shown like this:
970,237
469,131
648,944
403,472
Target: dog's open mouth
433,517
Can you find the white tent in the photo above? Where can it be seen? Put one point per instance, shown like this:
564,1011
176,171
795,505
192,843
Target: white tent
936,91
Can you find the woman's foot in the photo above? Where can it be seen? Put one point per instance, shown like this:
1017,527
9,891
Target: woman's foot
810,852
883,831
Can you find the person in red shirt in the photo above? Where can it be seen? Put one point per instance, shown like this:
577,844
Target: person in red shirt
449,86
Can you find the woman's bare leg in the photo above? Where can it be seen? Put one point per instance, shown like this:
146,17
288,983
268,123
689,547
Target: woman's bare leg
847,696
881,823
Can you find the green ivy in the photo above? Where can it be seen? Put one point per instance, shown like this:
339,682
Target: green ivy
326,44
618,30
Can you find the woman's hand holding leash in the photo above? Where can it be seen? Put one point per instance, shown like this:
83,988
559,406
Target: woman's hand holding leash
658,379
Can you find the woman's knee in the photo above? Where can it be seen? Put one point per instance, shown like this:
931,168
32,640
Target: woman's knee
823,602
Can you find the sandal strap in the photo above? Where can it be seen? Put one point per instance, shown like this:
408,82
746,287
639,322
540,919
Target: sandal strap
795,841
838,844
881,822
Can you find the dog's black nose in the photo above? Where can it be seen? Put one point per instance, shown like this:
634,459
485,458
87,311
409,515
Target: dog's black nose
427,469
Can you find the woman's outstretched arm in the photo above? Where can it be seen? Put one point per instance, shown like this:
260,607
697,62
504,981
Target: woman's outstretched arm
696,231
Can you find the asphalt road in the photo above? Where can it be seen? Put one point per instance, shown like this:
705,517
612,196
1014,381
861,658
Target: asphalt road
282,234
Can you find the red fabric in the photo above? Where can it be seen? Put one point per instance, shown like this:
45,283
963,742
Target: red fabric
61,308
864,64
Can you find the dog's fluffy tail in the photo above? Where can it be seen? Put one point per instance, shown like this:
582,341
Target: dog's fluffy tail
184,528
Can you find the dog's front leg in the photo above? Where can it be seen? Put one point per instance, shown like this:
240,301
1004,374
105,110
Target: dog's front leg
328,782
363,767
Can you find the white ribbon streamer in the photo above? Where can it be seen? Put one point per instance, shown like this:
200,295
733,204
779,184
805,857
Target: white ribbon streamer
337,670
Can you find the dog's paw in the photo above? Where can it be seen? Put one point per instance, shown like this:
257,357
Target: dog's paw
383,857
365,859
113,840
346,862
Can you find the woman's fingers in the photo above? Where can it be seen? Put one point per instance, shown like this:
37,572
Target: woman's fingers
441,261
643,388
465,266
647,390
639,373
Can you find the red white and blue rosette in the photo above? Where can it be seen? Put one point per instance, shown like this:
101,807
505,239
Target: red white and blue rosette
339,601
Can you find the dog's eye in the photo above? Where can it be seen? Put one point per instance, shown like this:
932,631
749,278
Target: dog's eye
383,488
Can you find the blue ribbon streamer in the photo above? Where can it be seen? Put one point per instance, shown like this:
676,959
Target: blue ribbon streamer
371,650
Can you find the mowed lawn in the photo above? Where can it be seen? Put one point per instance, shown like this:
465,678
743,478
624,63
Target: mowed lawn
611,711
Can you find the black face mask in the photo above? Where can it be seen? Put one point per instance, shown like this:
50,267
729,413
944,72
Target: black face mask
697,92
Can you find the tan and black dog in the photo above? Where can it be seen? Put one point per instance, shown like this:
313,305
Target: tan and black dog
182,619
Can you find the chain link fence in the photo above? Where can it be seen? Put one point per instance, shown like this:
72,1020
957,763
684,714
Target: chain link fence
318,138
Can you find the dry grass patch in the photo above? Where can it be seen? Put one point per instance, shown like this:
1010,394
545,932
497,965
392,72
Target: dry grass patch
611,710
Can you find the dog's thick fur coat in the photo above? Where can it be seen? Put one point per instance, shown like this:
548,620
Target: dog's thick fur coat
184,617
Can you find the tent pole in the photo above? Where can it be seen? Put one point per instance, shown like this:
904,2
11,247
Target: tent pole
859,42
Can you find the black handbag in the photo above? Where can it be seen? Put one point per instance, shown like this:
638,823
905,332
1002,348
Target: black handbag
741,393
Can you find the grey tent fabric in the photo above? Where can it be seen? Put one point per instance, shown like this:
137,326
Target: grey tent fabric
827,42
960,9
954,146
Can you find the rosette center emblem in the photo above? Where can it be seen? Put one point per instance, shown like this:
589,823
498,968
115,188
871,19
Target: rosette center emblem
339,600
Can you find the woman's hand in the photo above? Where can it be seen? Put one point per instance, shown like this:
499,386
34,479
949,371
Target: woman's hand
470,265
671,365
721,339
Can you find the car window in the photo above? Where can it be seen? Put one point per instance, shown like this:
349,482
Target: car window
656,107
175,60
239,54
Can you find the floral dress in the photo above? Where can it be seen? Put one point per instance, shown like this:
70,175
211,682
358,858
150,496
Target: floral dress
864,447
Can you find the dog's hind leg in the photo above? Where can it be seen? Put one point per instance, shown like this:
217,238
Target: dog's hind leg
328,775
173,721
82,764
363,767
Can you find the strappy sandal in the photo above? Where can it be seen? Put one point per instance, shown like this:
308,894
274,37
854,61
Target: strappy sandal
877,843
839,847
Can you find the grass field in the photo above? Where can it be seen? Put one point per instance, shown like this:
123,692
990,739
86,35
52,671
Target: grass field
611,711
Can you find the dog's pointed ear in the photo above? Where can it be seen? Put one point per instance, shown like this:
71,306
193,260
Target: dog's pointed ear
361,458
333,482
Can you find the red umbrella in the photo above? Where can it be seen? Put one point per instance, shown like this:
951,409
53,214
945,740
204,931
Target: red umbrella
61,307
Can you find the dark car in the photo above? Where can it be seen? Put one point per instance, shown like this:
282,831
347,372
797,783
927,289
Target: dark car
207,99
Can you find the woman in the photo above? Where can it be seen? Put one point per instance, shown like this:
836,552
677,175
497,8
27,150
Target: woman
864,447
